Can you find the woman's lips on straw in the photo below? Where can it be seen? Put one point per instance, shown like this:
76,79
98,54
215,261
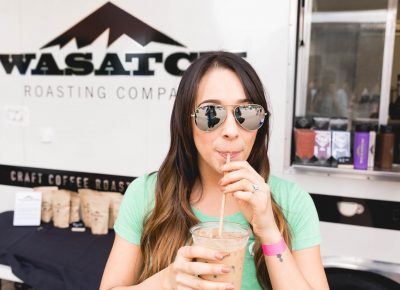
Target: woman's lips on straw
233,154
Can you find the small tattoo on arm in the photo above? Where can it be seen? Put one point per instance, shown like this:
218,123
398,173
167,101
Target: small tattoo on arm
279,256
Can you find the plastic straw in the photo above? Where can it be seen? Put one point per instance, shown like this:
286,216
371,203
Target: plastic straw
221,214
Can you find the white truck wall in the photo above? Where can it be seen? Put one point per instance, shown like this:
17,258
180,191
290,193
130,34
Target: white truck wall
122,135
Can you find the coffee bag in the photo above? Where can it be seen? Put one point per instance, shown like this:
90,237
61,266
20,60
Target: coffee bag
61,208
86,196
99,214
74,215
47,193
115,202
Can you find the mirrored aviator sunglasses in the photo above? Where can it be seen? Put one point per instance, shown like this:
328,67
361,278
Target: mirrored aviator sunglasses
209,117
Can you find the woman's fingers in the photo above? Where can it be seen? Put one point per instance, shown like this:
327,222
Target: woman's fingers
237,175
244,195
241,182
192,282
186,271
237,165
238,170
184,261
240,185
188,253
200,268
183,287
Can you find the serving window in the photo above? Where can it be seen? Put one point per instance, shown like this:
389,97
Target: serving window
347,97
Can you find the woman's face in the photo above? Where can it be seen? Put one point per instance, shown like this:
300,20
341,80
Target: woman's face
222,86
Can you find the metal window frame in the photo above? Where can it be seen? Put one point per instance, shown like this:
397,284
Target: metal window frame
298,74
388,51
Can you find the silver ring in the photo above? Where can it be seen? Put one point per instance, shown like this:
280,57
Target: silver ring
255,187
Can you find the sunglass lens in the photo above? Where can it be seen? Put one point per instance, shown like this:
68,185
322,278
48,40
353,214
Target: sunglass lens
209,117
250,117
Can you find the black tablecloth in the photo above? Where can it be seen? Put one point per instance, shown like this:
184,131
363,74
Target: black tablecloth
49,258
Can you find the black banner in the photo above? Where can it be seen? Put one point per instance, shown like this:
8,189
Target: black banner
71,180
371,213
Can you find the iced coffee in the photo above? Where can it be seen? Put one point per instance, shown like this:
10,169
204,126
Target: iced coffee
231,243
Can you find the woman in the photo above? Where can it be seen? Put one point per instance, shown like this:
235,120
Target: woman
152,244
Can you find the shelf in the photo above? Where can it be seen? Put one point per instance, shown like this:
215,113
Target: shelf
393,175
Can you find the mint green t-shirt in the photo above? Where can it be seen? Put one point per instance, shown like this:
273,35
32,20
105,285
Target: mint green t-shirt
296,204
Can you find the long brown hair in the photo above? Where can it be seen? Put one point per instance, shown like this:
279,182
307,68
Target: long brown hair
166,228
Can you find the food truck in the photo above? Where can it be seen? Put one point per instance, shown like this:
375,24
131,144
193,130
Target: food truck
87,89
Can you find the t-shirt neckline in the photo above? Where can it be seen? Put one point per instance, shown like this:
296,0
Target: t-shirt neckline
234,216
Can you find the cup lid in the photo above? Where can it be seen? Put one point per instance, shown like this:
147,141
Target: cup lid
244,230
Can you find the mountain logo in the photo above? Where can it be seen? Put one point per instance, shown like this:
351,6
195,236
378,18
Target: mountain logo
118,21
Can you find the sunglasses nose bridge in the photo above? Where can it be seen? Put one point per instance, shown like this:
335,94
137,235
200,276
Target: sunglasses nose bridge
230,124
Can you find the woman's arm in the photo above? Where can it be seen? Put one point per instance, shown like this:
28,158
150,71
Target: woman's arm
123,268
301,269
310,264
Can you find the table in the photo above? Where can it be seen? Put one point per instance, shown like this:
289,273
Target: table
49,258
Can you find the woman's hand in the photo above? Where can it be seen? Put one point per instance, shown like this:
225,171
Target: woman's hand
253,196
184,271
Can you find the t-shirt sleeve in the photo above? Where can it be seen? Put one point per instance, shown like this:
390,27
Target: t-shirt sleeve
134,206
303,220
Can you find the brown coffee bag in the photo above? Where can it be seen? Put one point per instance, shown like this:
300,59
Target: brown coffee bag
86,196
61,208
47,193
74,215
115,202
99,214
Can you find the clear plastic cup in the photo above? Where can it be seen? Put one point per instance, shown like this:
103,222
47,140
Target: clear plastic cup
232,245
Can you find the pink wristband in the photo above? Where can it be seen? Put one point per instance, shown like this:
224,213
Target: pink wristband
274,249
